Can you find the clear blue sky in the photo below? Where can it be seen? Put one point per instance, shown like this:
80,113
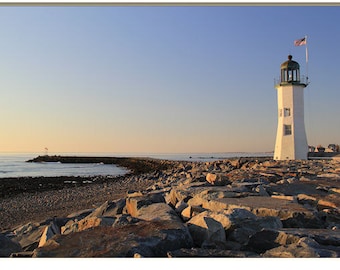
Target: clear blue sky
161,79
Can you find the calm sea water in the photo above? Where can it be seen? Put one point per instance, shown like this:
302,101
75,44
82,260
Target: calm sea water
15,165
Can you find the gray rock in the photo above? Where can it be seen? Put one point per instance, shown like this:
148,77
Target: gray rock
303,220
331,217
115,208
180,206
211,253
22,254
329,175
191,211
197,201
145,239
134,204
28,235
238,215
266,239
211,193
207,227
244,226
307,199
108,209
7,246
261,191
287,211
184,193
48,233
86,223
322,236
217,179
304,248
124,219
186,213
158,211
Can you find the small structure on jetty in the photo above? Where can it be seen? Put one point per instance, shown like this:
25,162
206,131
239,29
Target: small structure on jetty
291,140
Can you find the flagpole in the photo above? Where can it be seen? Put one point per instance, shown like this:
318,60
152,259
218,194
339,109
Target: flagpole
306,60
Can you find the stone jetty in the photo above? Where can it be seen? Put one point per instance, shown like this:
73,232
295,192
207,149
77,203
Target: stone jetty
233,208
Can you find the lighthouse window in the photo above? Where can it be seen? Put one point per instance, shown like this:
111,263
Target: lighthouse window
287,112
290,75
287,129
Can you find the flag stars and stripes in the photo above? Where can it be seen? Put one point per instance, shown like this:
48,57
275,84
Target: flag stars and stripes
300,42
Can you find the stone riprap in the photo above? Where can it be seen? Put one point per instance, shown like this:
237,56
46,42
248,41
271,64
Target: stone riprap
242,208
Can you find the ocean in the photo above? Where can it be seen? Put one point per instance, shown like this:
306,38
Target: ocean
15,165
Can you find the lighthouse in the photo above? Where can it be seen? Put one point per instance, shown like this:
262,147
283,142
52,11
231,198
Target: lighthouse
291,140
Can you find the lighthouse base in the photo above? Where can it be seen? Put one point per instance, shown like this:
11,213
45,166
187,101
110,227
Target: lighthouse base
286,150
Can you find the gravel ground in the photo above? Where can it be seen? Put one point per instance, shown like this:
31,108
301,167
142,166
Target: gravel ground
22,208
35,199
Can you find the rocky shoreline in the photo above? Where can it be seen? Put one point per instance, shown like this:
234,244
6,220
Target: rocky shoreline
239,208
12,186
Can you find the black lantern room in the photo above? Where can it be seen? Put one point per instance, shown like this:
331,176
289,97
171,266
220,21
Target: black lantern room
290,72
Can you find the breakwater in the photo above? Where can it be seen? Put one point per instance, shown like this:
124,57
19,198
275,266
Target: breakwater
135,164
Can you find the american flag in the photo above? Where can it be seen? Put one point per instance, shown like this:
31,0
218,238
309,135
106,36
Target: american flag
300,42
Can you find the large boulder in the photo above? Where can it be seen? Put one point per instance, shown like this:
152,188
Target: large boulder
176,195
114,208
191,211
7,246
86,223
217,179
143,239
104,215
211,193
158,211
28,235
307,200
177,231
50,230
108,209
184,193
266,239
124,219
245,224
304,248
291,214
295,243
208,228
322,236
135,203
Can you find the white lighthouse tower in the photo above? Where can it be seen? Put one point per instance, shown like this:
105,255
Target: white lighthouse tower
291,140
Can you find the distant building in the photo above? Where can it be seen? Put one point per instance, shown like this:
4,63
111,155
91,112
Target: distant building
320,148
311,148
332,147
291,139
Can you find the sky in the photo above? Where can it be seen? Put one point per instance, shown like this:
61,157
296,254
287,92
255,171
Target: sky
161,79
